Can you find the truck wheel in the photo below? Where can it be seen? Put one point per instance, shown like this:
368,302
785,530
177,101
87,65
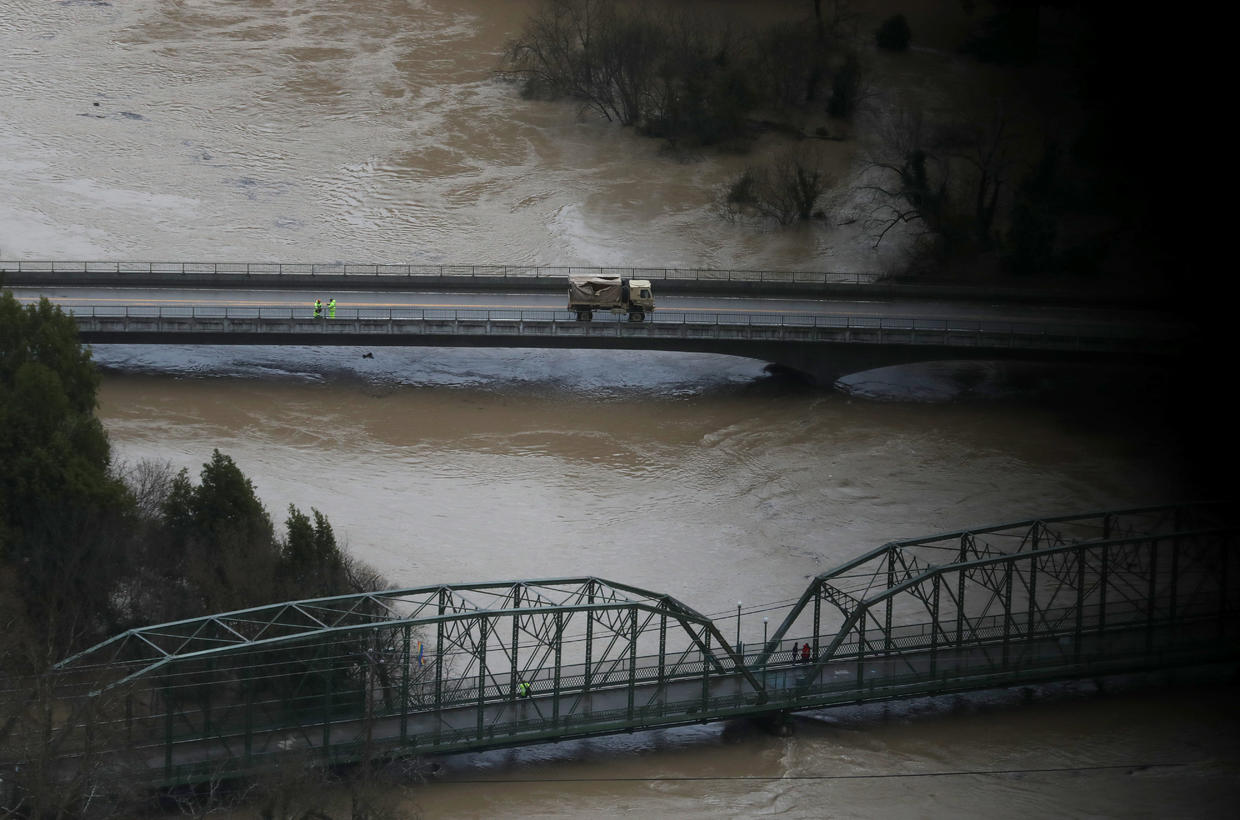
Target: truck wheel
636,316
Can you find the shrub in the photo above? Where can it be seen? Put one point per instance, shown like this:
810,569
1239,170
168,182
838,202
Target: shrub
845,88
743,191
786,190
894,34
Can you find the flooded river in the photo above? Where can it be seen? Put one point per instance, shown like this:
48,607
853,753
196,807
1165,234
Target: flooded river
701,477
341,130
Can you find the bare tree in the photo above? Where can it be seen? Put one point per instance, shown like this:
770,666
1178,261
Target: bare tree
982,147
787,189
149,482
909,179
949,178
63,754
592,51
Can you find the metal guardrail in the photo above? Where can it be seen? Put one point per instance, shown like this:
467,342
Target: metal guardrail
493,322
67,273
517,272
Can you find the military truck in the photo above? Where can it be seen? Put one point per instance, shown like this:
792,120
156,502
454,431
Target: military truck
587,294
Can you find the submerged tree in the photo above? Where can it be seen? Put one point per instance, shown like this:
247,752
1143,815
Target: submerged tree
947,179
787,189
664,72
1030,242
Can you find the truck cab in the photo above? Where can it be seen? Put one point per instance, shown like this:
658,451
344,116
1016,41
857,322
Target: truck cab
641,297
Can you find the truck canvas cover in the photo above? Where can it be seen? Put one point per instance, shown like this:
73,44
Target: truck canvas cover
595,290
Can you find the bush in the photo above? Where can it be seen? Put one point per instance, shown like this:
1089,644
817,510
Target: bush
786,190
894,34
845,88
743,190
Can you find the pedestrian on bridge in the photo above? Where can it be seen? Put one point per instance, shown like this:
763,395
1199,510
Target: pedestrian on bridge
318,309
331,309
805,653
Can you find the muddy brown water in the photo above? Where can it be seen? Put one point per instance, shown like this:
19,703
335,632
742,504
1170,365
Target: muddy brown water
298,131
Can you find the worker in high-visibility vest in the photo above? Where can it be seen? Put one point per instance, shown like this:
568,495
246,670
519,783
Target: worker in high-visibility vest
331,309
523,690
318,309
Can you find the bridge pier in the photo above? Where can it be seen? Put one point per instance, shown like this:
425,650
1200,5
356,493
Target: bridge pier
825,363
778,724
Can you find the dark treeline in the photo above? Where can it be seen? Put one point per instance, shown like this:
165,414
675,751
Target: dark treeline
1039,174
676,75
89,547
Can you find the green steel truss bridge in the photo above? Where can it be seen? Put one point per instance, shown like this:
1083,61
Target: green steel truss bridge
442,669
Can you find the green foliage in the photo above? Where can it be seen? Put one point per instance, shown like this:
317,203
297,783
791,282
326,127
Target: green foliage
311,561
894,34
82,557
224,537
223,507
60,510
217,549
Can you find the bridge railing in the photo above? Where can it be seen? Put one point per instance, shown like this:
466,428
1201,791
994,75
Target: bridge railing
482,321
276,270
177,701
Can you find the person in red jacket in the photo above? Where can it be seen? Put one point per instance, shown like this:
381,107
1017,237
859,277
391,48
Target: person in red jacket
805,653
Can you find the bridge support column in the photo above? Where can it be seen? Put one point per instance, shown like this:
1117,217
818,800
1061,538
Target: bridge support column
589,638
404,686
559,656
706,672
778,724
632,659
482,677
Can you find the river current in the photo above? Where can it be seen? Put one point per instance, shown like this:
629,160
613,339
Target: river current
340,130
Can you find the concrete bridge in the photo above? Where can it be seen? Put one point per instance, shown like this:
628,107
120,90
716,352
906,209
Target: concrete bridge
823,347
445,668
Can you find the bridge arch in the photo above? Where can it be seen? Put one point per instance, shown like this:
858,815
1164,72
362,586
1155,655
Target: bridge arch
822,347
1045,593
317,675
444,668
